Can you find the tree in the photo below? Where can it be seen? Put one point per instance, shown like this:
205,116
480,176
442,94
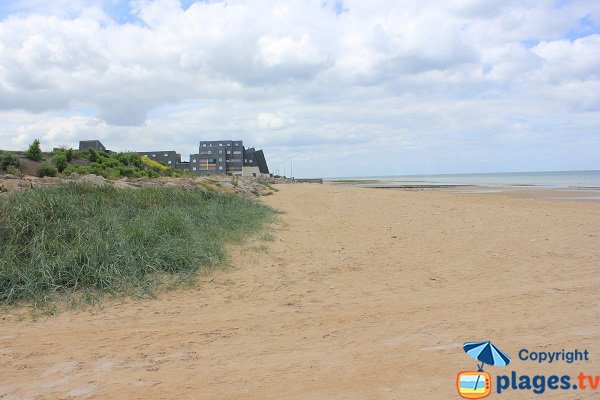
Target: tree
34,152
60,161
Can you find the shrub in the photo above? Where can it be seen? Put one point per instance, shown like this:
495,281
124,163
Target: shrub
34,152
11,169
119,165
129,159
68,152
153,165
90,154
46,169
60,161
8,159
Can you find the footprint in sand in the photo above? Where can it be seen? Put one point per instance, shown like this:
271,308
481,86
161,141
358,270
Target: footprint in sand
63,368
84,391
104,365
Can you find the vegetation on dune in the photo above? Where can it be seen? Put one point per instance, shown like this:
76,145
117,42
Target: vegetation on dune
66,161
154,165
47,169
8,160
83,241
118,165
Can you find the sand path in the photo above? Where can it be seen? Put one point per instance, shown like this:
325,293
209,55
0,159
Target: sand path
363,294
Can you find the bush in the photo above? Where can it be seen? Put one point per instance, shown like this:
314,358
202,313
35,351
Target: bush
46,169
129,159
153,165
7,160
34,152
79,239
90,154
11,169
60,161
118,165
68,152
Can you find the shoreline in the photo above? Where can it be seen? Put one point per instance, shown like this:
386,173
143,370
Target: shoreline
530,191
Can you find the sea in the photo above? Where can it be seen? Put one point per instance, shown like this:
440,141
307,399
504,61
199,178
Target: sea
586,182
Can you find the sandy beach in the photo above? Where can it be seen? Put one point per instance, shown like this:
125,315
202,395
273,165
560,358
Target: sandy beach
362,294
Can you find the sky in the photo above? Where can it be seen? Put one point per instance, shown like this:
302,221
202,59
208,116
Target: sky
336,87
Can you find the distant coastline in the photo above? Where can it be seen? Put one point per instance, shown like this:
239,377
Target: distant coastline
587,179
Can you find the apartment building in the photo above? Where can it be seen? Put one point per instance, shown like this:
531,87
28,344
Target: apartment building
255,163
218,157
169,157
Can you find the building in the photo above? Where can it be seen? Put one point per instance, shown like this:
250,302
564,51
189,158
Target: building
255,163
169,157
213,157
91,144
218,157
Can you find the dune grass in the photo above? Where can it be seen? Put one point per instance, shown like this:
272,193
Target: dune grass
90,241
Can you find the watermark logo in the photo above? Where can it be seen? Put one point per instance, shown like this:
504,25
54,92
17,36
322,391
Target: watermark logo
474,385
478,384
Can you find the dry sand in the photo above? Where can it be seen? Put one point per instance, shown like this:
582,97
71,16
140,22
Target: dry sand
363,294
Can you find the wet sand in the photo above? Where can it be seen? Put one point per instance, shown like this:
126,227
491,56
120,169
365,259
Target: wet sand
363,294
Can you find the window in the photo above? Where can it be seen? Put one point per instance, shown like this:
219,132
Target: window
220,167
228,152
194,168
220,144
193,160
245,160
203,144
166,155
250,161
169,162
153,155
237,152
220,160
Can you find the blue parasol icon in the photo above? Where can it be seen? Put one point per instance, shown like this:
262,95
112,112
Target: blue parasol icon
487,353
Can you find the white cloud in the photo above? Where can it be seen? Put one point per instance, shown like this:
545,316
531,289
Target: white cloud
272,121
353,73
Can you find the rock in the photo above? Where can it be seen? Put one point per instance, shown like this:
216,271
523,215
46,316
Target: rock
74,176
93,180
150,183
226,185
9,176
11,185
47,181
25,184
122,185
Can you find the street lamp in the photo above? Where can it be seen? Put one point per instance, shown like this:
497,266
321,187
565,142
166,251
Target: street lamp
291,165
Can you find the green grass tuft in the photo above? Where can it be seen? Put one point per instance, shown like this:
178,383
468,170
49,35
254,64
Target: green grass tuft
85,241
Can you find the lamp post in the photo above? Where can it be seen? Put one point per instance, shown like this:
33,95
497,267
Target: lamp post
291,164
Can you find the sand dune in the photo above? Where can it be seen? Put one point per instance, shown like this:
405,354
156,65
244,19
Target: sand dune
363,294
